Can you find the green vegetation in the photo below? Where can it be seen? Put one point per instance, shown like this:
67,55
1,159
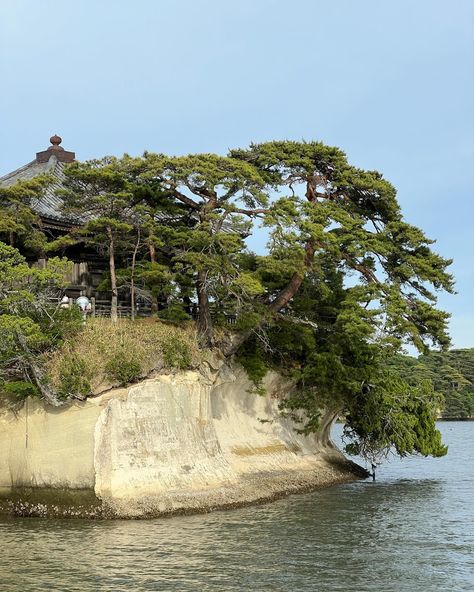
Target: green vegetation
74,378
19,389
256,363
451,374
124,367
344,284
176,352
337,361
29,323
109,354
19,225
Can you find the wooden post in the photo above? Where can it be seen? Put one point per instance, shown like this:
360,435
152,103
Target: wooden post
93,306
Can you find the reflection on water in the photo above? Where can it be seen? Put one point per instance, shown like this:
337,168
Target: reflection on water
411,530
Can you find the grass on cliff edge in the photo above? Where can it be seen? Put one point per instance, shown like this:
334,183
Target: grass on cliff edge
105,354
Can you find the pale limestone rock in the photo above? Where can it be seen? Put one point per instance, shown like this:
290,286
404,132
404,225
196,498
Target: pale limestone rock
182,442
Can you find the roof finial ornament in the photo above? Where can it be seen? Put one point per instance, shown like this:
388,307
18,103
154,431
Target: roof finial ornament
55,140
56,151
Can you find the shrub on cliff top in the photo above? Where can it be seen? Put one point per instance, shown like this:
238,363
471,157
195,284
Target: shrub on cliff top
20,389
74,377
146,345
123,367
176,353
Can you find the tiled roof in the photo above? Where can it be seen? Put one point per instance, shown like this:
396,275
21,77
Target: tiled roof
49,206
49,162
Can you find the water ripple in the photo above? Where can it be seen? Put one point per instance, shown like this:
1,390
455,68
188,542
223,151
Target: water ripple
412,530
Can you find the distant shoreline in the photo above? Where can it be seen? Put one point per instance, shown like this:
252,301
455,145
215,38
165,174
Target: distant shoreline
455,419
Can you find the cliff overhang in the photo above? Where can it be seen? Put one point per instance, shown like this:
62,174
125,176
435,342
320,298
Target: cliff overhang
173,443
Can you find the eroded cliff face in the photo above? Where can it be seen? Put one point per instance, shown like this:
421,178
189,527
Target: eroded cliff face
185,442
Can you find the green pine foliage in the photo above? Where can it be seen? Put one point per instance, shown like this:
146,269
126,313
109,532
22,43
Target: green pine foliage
19,224
30,323
20,389
331,348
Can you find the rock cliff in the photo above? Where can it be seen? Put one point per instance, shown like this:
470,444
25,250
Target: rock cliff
184,442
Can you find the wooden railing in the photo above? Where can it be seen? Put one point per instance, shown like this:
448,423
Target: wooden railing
102,308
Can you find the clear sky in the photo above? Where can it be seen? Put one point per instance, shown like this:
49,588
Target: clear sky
391,83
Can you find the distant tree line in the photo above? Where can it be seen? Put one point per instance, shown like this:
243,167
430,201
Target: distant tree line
451,374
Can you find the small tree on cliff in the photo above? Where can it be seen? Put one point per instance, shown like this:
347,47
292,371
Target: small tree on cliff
156,219
29,322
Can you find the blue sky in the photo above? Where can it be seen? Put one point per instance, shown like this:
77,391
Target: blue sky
391,83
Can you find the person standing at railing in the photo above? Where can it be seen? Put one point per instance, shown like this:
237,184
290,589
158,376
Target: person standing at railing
85,306
64,303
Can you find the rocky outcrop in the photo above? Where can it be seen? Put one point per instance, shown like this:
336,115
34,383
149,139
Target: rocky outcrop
186,442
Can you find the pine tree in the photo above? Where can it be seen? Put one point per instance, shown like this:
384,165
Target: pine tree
97,192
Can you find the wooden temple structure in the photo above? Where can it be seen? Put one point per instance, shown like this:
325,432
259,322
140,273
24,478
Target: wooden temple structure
88,265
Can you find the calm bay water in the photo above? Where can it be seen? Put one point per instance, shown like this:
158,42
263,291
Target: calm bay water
412,530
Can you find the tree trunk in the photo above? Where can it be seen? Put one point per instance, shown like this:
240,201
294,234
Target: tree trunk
288,292
132,275
281,300
294,284
113,278
154,299
46,390
152,253
204,324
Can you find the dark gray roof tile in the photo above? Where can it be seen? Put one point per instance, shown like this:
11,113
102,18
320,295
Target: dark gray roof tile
50,204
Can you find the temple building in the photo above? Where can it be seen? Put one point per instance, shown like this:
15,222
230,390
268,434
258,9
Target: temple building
50,161
89,266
